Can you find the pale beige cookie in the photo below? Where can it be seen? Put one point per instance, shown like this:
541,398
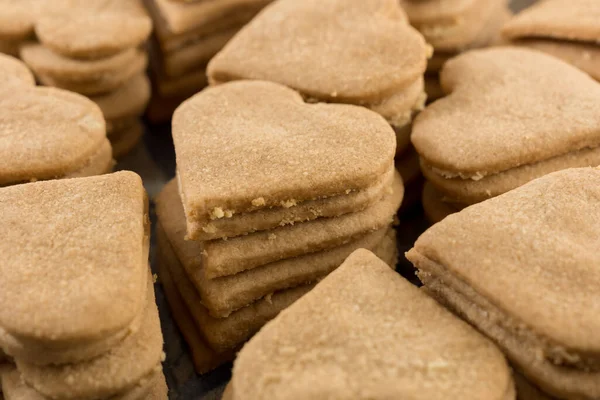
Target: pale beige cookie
87,256
585,56
234,18
17,18
93,28
349,339
125,141
227,293
195,55
44,61
435,208
482,128
204,358
272,218
324,50
536,245
151,388
101,162
577,20
454,25
277,152
119,370
127,101
234,255
226,334
14,72
47,133
181,18
102,84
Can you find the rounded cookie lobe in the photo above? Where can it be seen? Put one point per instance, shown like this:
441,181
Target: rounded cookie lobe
13,71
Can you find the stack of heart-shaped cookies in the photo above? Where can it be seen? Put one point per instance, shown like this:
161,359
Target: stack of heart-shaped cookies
511,115
78,315
338,51
93,48
47,133
271,195
453,26
187,34
524,269
569,30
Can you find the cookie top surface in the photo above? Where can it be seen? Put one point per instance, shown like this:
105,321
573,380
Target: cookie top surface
46,133
74,257
17,18
507,107
349,339
559,19
14,72
253,144
88,28
128,101
340,50
428,11
536,245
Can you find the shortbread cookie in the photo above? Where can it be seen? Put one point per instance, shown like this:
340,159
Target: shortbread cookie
125,141
272,218
181,18
128,101
13,71
119,370
536,245
228,293
17,18
349,339
324,50
435,208
93,28
204,358
52,294
228,257
50,133
567,30
466,139
196,54
224,334
453,25
45,62
151,388
103,84
234,18
278,152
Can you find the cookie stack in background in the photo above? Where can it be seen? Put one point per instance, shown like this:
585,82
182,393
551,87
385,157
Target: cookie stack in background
47,133
187,34
272,195
338,51
453,26
515,115
569,30
94,48
78,316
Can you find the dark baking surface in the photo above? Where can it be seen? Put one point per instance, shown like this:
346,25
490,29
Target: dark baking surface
154,160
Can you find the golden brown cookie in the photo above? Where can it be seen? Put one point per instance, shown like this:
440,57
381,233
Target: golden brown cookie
325,51
13,71
87,256
50,133
128,101
436,209
535,245
484,140
349,339
312,151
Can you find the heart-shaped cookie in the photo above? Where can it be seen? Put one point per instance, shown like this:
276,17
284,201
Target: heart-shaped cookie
506,107
77,28
75,266
47,133
339,50
252,145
